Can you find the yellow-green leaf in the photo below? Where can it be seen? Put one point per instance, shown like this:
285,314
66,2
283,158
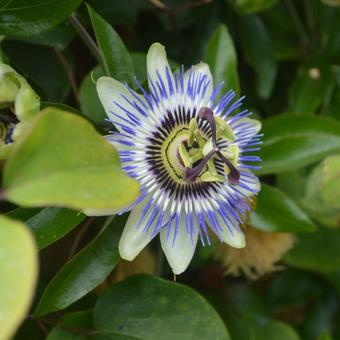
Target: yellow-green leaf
63,161
19,269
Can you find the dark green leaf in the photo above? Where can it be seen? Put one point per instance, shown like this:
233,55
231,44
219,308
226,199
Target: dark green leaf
149,308
58,37
309,88
89,102
84,272
258,53
73,326
116,59
221,56
318,251
119,12
293,141
274,330
49,224
251,6
33,62
22,18
276,212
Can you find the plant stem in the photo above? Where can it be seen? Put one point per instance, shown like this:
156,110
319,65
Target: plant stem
69,73
297,20
85,36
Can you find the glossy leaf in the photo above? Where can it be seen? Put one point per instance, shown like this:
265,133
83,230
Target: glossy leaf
258,53
120,12
116,59
318,251
22,18
276,212
49,224
82,172
322,194
19,271
150,308
33,60
251,6
73,326
310,87
274,330
89,102
84,272
58,37
221,56
293,141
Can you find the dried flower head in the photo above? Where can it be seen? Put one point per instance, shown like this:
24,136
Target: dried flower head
261,255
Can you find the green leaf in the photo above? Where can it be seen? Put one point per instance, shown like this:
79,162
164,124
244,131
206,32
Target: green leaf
294,141
34,61
147,307
139,62
82,172
116,59
120,12
49,224
318,251
84,272
251,6
276,212
73,326
58,37
221,56
89,102
22,18
258,53
322,194
310,87
274,330
19,271
248,317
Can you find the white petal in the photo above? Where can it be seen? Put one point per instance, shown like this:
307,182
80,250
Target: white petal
111,92
202,68
235,239
182,251
119,146
134,238
252,182
157,62
254,124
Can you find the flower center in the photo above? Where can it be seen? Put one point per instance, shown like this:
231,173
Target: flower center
191,155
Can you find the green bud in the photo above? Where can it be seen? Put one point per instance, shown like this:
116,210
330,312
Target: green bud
16,92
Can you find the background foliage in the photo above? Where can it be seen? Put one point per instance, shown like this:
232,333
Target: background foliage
284,55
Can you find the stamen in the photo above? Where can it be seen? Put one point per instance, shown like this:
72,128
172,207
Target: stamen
234,175
207,114
190,174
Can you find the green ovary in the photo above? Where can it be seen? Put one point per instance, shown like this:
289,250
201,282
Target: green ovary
186,145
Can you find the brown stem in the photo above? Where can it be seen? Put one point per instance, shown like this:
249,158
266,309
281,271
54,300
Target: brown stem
69,73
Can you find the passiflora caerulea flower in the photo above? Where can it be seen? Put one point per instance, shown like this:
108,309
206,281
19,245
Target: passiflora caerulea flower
187,150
